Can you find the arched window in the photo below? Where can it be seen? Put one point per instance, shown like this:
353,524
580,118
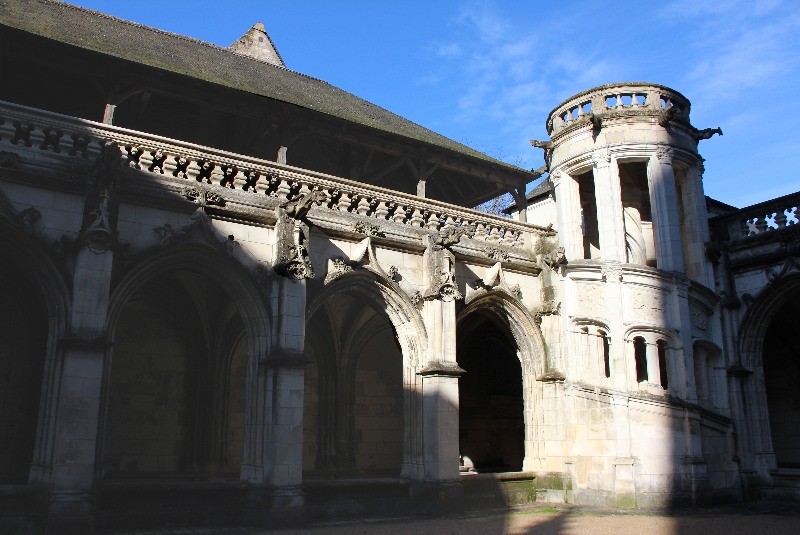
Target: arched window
662,363
640,355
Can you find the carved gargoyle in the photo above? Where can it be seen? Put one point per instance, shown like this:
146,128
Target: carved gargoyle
707,133
299,207
555,258
446,238
666,115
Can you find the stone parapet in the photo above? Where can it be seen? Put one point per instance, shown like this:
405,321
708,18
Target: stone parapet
26,128
627,98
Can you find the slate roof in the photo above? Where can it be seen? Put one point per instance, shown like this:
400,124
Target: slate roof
123,39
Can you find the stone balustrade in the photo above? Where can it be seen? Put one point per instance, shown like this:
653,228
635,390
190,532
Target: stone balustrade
614,98
756,220
25,127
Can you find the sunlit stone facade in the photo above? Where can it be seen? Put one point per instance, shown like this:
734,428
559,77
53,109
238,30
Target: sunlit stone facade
198,326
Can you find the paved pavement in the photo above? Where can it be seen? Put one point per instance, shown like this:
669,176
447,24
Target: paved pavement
756,519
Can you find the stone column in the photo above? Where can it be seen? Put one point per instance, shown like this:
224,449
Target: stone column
695,221
664,205
568,204
608,195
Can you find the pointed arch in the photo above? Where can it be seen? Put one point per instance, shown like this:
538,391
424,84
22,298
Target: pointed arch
24,253
511,316
205,271
334,436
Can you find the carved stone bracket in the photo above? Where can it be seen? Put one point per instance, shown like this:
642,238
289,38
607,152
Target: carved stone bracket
547,308
601,157
441,368
99,232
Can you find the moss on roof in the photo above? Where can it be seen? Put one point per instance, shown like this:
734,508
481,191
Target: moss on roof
126,40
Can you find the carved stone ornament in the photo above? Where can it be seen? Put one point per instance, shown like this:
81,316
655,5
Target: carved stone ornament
362,227
555,258
28,217
665,154
556,178
203,197
496,253
294,265
666,115
8,159
99,237
197,230
446,238
601,157
494,280
336,268
699,320
547,308
299,207
611,271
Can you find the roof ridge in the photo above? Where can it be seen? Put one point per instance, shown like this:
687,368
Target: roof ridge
179,36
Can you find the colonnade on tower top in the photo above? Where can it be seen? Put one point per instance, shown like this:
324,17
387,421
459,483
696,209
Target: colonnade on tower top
627,178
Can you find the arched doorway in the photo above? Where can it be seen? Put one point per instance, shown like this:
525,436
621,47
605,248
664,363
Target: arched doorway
781,357
491,398
24,335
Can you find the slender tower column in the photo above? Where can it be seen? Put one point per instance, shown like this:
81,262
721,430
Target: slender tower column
696,225
609,206
568,203
664,205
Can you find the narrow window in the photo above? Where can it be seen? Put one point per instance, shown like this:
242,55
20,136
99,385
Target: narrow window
662,363
589,225
640,354
606,354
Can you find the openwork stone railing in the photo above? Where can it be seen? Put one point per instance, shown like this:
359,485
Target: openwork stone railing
615,98
44,131
770,216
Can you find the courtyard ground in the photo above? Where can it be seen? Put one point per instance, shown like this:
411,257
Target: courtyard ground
751,518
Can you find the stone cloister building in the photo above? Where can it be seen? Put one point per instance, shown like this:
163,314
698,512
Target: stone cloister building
232,291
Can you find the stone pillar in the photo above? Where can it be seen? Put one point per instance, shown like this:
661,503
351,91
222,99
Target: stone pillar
568,204
664,205
440,393
83,354
695,221
608,195
283,387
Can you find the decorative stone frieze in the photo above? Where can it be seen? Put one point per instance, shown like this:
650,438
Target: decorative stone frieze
496,254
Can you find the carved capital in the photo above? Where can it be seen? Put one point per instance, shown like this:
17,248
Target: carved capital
557,178
665,154
547,308
601,158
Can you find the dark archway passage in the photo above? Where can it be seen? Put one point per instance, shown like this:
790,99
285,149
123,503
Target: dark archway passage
23,332
175,389
781,378
491,421
353,415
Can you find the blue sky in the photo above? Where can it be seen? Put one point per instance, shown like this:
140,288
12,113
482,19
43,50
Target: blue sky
487,73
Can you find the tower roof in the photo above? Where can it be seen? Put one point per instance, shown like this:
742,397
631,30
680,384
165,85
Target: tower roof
257,44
